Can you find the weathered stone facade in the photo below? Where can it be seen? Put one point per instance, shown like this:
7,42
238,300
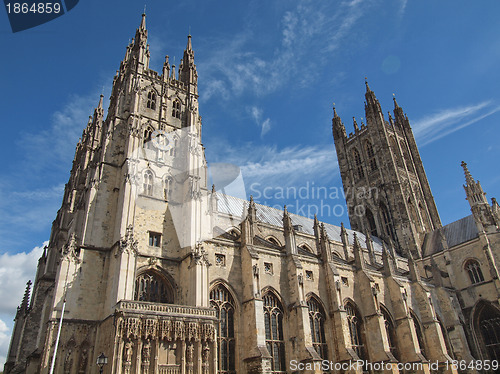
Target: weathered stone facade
165,275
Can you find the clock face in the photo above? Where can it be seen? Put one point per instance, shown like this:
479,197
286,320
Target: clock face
162,140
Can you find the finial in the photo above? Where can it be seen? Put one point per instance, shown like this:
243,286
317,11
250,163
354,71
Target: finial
395,102
213,188
251,198
189,35
101,98
366,84
144,9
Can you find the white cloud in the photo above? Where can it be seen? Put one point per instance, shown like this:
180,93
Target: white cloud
55,146
15,271
447,121
4,342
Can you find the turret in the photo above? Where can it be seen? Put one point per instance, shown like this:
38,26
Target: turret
486,220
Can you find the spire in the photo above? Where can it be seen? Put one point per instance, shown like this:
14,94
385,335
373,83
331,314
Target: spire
373,110
356,127
338,127
473,189
24,307
468,177
396,106
187,71
143,21
484,215
141,34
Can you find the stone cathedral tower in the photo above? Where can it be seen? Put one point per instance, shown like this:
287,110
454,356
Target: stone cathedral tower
138,182
385,185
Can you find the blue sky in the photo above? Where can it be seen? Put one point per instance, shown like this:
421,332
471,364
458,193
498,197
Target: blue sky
269,72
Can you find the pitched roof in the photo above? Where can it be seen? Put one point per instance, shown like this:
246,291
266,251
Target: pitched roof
455,233
235,206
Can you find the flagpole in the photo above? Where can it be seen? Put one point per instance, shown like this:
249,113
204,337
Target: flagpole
60,323
57,338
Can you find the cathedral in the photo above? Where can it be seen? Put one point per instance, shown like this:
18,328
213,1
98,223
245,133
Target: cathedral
152,268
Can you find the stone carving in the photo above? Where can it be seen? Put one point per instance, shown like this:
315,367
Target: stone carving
84,357
71,250
146,352
128,244
68,362
129,351
205,354
189,353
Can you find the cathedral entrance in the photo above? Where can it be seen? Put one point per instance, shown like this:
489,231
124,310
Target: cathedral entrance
487,328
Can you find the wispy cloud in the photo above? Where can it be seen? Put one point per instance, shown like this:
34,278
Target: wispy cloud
265,125
271,166
45,160
433,127
309,33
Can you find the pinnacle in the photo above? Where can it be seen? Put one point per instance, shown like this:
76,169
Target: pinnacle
468,176
143,21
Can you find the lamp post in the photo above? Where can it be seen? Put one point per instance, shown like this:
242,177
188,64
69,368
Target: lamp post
101,361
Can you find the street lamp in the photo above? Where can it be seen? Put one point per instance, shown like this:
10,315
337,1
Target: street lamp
101,361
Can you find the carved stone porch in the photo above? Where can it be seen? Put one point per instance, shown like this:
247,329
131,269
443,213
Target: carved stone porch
153,338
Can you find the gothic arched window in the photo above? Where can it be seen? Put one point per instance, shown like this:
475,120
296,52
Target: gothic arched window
317,321
389,228
176,108
357,162
274,241
150,286
418,331
371,222
306,248
223,302
148,183
371,156
167,188
391,333
273,320
146,143
474,270
355,330
151,103
487,321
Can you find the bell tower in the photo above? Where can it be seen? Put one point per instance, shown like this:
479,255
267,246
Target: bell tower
385,185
